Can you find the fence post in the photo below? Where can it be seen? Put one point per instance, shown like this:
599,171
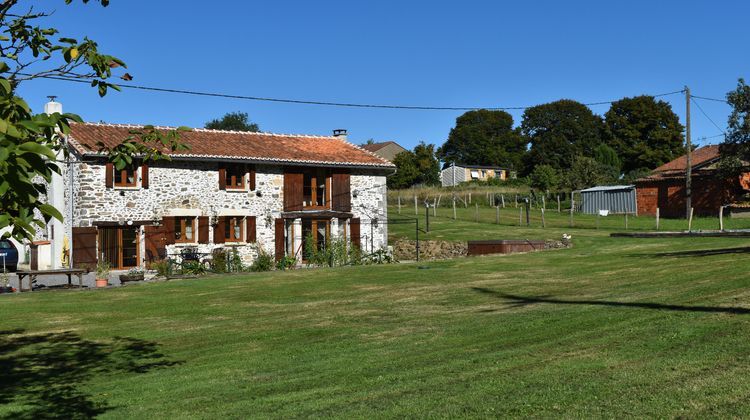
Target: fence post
434,207
454,207
516,202
427,217
416,210
399,203
690,220
466,201
558,203
572,206
476,211
657,218
543,225
497,215
721,218
502,198
469,198
417,232
544,203
520,216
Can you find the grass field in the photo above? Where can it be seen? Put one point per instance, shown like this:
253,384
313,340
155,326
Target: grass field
609,328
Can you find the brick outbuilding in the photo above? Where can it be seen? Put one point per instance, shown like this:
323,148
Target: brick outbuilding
665,187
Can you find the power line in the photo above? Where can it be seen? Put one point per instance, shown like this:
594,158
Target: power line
706,115
710,99
312,102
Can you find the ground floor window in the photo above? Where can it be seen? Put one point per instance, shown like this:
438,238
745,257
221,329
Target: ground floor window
234,229
119,246
184,229
315,235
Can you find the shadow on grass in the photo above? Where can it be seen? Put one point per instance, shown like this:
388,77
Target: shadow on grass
45,375
701,252
519,301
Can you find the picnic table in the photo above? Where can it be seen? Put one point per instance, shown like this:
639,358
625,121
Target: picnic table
32,275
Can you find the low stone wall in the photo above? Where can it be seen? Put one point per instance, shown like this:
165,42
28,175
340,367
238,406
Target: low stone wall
405,250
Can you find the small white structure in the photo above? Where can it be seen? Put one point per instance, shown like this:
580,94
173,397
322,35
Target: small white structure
458,173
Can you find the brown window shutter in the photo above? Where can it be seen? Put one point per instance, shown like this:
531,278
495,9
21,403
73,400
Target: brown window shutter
354,231
144,176
169,227
219,230
203,229
293,193
342,197
279,238
251,178
84,247
251,234
222,178
109,173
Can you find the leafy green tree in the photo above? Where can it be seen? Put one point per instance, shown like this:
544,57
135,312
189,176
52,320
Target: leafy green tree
735,150
30,143
407,172
233,121
544,178
646,133
607,156
587,172
427,164
484,137
559,132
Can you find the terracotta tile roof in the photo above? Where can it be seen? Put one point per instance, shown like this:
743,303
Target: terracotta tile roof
254,147
701,157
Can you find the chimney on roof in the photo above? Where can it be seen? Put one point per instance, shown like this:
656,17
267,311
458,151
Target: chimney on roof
51,107
340,133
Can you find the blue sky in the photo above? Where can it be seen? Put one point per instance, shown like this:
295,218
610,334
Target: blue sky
468,53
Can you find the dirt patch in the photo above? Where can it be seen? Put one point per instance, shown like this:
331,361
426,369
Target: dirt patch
429,250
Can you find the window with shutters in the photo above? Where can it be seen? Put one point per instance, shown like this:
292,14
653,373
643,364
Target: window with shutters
185,229
235,177
316,189
126,177
234,229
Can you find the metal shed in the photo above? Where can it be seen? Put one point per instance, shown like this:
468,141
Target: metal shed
615,198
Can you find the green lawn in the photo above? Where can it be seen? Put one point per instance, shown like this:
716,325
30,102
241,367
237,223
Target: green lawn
609,328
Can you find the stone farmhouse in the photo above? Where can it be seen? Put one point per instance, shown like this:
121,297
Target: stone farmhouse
248,191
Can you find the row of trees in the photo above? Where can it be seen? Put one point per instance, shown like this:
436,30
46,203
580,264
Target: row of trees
563,143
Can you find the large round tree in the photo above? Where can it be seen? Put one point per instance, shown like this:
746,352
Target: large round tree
484,137
559,132
645,132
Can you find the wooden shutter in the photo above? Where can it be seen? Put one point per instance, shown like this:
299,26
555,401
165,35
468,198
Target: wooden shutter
220,230
279,237
293,194
144,176
84,247
251,178
354,231
222,178
109,173
169,226
342,197
203,229
251,234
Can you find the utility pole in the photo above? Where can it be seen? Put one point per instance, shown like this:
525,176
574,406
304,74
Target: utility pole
689,164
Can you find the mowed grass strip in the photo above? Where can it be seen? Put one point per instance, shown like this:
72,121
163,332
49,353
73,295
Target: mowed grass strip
612,327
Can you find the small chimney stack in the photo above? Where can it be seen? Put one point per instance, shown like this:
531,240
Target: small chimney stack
51,107
340,133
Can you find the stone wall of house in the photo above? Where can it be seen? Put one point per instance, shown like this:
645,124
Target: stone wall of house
192,188
369,204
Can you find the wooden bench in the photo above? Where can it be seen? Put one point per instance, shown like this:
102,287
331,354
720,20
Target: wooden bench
32,275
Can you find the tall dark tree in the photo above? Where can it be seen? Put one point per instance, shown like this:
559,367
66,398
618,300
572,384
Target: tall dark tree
645,132
233,121
427,164
561,131
484,137
406,171
736,147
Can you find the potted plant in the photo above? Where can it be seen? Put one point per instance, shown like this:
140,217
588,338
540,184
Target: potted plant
134,274
102,274
5,287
